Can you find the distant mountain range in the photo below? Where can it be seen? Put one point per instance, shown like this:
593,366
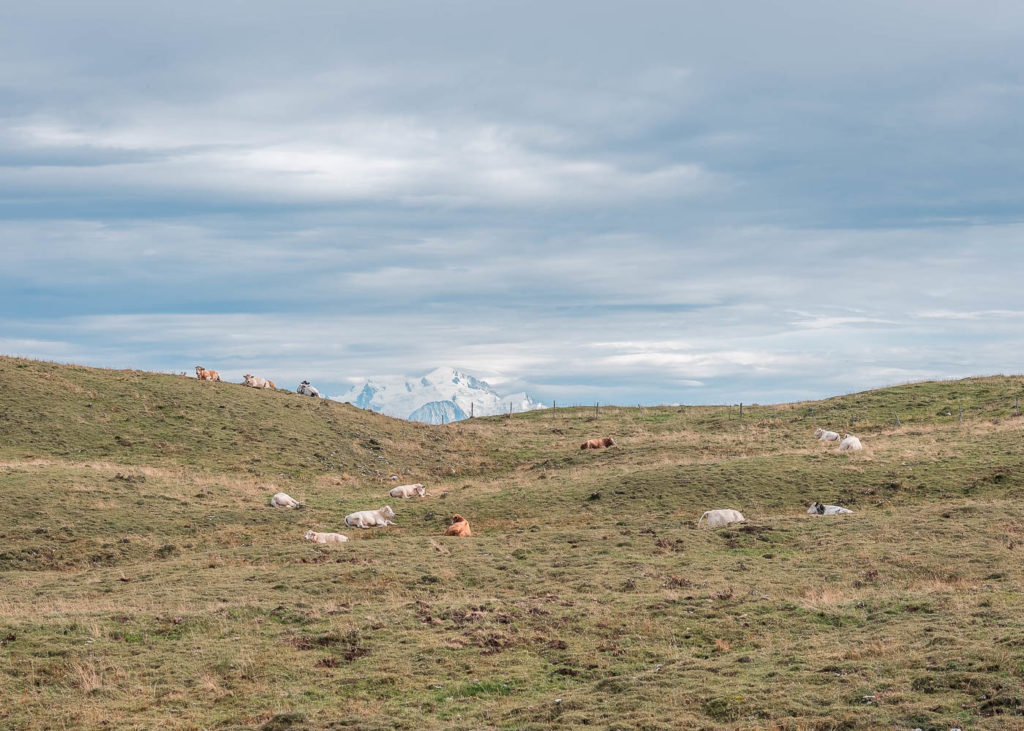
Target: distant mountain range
440,397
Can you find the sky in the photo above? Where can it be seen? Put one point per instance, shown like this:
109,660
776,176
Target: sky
642,202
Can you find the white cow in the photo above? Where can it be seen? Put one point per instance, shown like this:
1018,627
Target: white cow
819,509
403,491
718,518
370,518
312,535
850,443
257,381
306,390
826,436
284,500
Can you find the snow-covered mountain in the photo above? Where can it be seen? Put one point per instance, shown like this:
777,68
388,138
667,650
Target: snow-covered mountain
442,396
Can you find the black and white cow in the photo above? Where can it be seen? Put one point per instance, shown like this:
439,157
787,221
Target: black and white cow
819,509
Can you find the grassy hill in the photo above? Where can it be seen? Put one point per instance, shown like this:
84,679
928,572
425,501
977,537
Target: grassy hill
144,581
134,417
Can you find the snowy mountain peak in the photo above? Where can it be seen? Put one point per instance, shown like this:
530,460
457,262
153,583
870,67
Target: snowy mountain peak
443,376
438,412
441,396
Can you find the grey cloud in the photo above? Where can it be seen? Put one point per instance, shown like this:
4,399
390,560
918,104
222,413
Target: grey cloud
653,201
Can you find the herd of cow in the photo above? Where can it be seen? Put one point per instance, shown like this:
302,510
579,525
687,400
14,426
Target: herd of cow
372,518
460,526
849,443
208,374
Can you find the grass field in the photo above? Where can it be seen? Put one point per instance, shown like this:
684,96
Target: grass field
144,581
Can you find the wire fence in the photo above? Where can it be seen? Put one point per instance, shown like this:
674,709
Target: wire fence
896,408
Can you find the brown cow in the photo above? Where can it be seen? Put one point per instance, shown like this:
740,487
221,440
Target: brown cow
598,443
205,374
459,527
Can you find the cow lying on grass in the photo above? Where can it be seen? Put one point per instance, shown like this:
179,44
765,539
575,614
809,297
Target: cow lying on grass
819,509
257,382
207,374
404,491
718,518
306,390
598,443
284,500
826,436
459,527
312,535
850,444
370,518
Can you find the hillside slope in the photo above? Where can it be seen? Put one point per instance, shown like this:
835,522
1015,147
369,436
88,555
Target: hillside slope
145,581
135,417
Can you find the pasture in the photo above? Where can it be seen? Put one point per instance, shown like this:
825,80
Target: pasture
145,581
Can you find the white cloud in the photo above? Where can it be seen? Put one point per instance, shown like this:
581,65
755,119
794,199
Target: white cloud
714,364
462,163
969,315
819,322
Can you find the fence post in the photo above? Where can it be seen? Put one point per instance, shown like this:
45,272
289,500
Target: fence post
554,408
597,408
897,419
471,404
741,409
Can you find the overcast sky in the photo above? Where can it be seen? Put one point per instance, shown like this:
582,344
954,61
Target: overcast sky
632,202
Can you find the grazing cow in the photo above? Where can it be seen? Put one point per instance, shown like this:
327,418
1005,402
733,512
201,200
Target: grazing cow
306,390
826,436
598,443
850,443
718,518
284,500
370,518
312,535
207,374
257,382
819,509
459,527
403,491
